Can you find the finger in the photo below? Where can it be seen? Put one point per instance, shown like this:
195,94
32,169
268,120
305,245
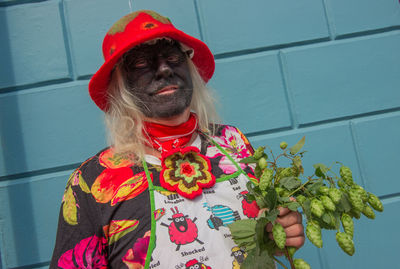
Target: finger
290,219
283,211
296,242
294,230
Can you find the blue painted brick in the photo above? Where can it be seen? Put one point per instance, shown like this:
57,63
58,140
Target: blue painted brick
251,92
29,209
344,78
379,147
376,242
324,144
31,44
238,25
88,22
48,127
362,15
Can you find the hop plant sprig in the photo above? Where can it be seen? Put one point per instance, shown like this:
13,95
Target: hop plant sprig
328,201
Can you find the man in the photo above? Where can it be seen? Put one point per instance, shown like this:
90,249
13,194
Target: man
164,193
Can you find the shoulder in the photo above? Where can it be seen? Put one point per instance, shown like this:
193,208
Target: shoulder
105,160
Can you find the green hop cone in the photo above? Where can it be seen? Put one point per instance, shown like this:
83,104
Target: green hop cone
355,213
348,224
345,242
317,207
258,153
266,179
360,190
323,190
262,163
279,235
341,184
335,195
368,212
283,145
287,172
355,200
374,201
301,264
301,199
313,232
346,175
327,202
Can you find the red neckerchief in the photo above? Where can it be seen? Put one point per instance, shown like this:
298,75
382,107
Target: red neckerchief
164,138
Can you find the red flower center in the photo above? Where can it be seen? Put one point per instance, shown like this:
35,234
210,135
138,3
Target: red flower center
187,169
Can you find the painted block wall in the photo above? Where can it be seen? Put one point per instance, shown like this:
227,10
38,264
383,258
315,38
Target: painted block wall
326,69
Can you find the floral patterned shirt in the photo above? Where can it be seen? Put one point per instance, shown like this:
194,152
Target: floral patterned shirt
106,213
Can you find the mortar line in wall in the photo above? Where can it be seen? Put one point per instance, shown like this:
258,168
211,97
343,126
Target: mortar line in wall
14,3
368,32
30,266
67,42
270,48
198,18
351,117
329,19
40,172
327,124
288,93
44,84
356,147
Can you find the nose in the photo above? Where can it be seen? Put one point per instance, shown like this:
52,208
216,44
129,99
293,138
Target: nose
163,70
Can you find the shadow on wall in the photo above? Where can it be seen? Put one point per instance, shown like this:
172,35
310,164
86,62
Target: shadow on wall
18,227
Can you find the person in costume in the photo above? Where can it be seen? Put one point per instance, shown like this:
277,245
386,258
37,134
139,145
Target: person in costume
163,193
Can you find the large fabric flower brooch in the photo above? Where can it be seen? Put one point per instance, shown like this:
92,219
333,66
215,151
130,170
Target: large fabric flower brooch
186,171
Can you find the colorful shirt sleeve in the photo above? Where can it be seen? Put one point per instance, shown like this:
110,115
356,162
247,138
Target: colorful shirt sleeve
80,242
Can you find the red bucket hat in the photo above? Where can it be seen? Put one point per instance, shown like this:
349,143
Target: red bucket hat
137,28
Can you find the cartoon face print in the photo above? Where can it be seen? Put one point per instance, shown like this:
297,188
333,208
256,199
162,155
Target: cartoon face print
194,264
182,230
221,216
239,255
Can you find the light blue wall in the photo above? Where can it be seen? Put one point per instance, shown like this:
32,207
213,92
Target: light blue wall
326,69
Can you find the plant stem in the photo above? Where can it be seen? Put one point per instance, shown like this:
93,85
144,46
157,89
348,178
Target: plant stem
299,188
289,258
278,261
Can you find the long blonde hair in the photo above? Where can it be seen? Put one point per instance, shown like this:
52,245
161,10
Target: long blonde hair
124,119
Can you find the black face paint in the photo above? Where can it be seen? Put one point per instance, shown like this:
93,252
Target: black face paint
158,76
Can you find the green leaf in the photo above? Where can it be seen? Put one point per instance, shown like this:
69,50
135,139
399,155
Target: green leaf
344,204
293,206
250,159
314,187
260,231
290,183
271,215
243,232
307,208
320,170
254,261
296,148
271,198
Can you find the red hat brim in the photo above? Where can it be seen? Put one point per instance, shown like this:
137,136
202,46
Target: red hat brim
203,59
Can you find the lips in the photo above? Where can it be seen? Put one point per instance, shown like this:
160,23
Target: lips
167,90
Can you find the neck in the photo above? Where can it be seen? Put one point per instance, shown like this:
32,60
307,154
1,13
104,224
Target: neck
171,121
